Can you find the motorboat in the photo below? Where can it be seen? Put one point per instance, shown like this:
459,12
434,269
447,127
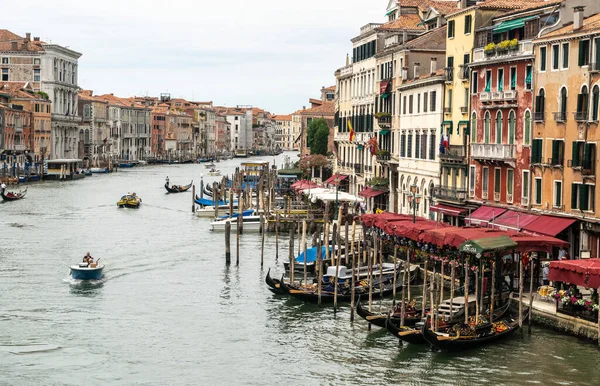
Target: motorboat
130,200
85,271
214,172
251,222
99,170
208,211
210,165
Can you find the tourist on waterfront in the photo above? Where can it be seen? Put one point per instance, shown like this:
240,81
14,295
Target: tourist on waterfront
545,272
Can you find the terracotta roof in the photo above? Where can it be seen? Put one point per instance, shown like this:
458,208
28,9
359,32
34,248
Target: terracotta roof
20,90
6,35
508,4
439,72
314,101
533,5
282,117
590,24
433,40
87,95
330,88
327,108
123,102
444,7
409,21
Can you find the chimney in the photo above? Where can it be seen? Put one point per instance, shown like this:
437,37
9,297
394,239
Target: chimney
416,70
404,73
36,39
14,46
347,60
578,17
303,107
462,4
404,37
433,67
27,36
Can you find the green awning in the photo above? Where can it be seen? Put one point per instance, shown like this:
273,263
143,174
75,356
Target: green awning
447,123
360,147
488,244
384,132
390,12
383,96
511,24
466,123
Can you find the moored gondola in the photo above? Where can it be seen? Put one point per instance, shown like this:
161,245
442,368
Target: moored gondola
411,317
463,337
178,188
274,284
11,196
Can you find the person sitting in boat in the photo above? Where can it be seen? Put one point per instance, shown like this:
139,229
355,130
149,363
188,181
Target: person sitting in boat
87,258
167,180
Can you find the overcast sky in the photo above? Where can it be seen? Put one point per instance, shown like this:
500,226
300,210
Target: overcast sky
274,54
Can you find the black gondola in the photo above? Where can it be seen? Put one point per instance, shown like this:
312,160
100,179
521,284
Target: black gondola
455,341
379,318
178,188
11,196
274,284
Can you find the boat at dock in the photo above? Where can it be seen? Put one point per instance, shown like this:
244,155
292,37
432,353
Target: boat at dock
126,165
130,201
98,170
85,271
411,315
251,222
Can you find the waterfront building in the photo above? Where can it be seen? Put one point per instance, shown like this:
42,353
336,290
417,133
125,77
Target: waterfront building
16,128
222,133
285,134
240,119
93,132
565,124
158,116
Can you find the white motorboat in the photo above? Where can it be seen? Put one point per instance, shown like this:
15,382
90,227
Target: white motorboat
251,223
210,165
209,211
214,172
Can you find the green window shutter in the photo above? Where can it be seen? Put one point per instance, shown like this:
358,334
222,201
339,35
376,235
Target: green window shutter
583,197
555,151
574,196
513,78
538,191
579,103
535,151
581,58
574,154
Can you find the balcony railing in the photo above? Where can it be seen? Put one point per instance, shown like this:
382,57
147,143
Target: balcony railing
560,116
555,161
485,96
497,95
449,74
18,129
524,48
510,95
588,167
464,109
538,116
580,116
463,72
454,153
450,193
496,196
493,151
447,110
19,147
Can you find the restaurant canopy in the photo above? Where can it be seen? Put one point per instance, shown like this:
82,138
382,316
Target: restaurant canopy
303,184
380,220
512,220
585,272
484,215
487,245
370,192
406,228
548,225
447,209
332,180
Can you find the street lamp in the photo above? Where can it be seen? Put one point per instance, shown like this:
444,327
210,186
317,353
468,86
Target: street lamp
337,183
413,200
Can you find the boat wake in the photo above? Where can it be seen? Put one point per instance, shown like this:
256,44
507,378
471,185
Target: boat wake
85,283
19,349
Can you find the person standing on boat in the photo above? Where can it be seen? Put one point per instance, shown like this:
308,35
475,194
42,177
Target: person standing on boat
3,187
167,180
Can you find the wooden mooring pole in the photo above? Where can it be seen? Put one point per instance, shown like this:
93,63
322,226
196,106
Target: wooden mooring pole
228,242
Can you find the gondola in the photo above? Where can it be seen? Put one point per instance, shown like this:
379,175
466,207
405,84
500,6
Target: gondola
344,294
207,193
10,196
274,284
178,188
456,340
379,318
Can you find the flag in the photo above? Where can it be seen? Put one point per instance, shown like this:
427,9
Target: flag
351,131
442,146
297,139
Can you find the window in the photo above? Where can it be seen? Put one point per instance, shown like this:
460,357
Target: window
432,101
582,196
418,103
511,127
417,145
424,146
488,81
497,174
474,84
577,153
404,105
500,86
555,56
565,55
36,75
485,180
558,152
513,78
557,203
584,53
409,146
449,104
410,104
582,104
424,102
4,60
474,127
402,144
536,151
5,74
472,170
595,101
563,105
510,180
450,62
36,61
450,29
499,127
528,77
468,24
486,127
540,102
538,191
525,186
527,129
432,145
542,58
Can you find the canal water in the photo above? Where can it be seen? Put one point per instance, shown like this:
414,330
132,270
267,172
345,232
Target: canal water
169,312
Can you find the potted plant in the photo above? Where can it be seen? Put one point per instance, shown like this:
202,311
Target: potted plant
383,155
490,48
513,44
379,183
502,47
382,114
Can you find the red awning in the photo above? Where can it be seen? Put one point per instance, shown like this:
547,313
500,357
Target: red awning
370,192
340,177
447,209
484,215
380,220
548,225
511,220
585,272
411,230
303,184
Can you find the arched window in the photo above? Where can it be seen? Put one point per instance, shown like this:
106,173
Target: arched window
474,127
563,104
540,105
486,128
582,104
595,100
511,128
499,127
527,128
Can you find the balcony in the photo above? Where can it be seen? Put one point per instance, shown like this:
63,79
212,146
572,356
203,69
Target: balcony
485,97
455,154
390,41
580,116
510,95
342,136
449,74
383,156
497,196
594,67
346,71
497,96
19,147
384,121
495,152
450,193
464,109
18,129
555,161
524,48
560,116
447,110
463,72
587,167
538,116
